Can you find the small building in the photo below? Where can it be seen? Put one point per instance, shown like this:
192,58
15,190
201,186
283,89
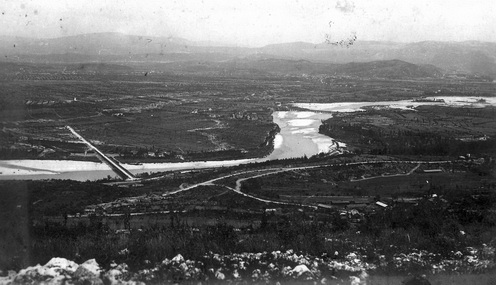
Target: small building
274,210
438,170
381,204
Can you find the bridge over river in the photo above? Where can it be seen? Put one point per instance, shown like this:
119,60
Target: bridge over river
112,163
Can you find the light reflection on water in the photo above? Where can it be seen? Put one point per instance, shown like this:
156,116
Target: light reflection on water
298,137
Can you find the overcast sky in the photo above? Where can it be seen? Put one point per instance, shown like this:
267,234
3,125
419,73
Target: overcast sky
256,22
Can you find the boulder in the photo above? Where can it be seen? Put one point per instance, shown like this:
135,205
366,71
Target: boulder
6,280
219,275
38,274
301,269
92,266
235,274
88,273
60,271
355,280
116,275
255,275
62,265
113,276
178,259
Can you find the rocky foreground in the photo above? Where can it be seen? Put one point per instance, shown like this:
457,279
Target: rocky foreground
243,268
235,268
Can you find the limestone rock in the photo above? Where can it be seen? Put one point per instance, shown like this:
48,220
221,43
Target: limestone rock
88,273
301,269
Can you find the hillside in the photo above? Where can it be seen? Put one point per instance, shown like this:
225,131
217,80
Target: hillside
469,57
388,69
391,69
465,57
29,68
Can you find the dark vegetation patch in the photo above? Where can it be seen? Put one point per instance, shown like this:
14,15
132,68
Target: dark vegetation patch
430,130
323,184
214,218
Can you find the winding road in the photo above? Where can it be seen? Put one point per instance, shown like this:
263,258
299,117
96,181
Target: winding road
272,171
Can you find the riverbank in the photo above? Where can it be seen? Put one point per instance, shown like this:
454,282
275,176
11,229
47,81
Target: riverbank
298,137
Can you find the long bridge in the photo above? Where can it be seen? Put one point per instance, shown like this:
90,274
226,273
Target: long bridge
112,163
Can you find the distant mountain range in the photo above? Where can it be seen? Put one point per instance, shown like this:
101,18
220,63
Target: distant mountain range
453,57
363,58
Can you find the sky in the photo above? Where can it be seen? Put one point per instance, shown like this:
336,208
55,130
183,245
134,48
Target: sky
255,22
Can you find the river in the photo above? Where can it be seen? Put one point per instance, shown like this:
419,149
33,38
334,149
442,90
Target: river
298,137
